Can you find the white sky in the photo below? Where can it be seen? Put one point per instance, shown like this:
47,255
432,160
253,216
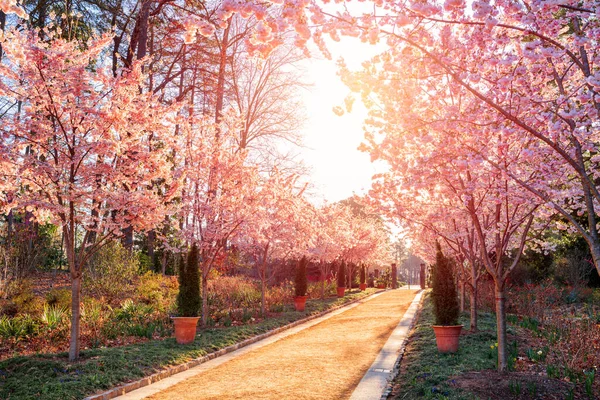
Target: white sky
338,168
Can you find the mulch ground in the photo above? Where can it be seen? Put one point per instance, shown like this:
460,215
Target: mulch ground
492,385
325,361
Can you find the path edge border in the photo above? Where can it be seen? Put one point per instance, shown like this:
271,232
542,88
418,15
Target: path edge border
396,370
175,369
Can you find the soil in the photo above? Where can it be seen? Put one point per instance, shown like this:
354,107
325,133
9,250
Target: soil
493,385
325,361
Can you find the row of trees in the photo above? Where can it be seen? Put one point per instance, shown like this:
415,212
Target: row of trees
487,114
164,126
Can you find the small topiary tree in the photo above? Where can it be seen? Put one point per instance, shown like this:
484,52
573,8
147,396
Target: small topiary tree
444,294
363,274
341,275
300,282
188,298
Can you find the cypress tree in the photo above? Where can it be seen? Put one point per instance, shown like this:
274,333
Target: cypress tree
300,282
444,293
188,298
363,274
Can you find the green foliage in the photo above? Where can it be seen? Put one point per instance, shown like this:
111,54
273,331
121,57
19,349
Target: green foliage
341,274
18,328
156,290
363,274
59,298
427,374
54,317
110,272
444,293
188,299
26,302
300,281
51,377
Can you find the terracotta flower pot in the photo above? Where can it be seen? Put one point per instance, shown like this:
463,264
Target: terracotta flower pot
341,291
300,302
185,329
362,286
447,337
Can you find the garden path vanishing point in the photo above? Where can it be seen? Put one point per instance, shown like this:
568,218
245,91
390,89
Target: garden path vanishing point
325,361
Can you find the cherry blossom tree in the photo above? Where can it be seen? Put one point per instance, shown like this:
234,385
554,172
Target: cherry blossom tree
280,226
221,193
78,143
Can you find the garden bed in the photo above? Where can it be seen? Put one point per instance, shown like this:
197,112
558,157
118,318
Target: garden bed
471,372
51,376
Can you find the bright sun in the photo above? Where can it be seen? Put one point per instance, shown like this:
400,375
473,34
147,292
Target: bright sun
338,168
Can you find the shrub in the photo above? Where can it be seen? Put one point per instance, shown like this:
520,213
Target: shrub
111,272
341,274
59,298
444,294
25,301
17,328
188,299
156,290
230,293
54,316
278,296
301,283
363,274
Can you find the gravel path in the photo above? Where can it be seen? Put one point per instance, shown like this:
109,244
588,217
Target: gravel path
325,361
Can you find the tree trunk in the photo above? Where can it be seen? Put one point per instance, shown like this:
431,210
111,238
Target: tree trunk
473,301
462,295
322,282
501,328
128,238
473,296
262,295
75,317
204,297
163,264
150,243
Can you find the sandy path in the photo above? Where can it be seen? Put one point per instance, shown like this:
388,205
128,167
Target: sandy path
325,361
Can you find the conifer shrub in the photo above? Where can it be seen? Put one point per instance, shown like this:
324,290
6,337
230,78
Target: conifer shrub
301,282
188,298
341,274
363,274
444,293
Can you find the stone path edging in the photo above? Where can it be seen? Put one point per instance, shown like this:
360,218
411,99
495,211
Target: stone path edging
377,381
396,370
175,369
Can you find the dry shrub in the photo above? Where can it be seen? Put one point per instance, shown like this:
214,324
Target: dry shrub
314,289
534,301
278,296
577,343
227,293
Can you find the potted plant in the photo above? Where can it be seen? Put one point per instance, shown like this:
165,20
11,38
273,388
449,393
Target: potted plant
300,284
445,304
341,279
188,299
363,278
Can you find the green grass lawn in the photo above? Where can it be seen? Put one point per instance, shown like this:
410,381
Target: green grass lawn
51,376
427,374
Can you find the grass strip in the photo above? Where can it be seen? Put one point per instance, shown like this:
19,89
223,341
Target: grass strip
51,376
427,374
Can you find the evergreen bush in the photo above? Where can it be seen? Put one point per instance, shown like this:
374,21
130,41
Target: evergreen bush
363,274
444,293
341,274
188,298
301,282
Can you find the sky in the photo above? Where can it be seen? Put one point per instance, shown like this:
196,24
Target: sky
331,141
